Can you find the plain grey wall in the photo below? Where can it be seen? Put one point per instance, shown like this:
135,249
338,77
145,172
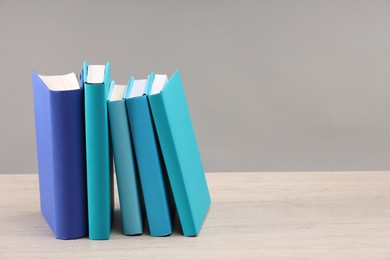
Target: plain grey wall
271,85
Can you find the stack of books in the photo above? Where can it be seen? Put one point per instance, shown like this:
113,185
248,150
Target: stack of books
145,126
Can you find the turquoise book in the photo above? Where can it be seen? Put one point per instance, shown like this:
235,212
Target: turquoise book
177,139
127,177
152,172
96,79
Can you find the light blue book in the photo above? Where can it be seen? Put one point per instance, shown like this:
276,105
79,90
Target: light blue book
151,167
125,164
97,81
180,150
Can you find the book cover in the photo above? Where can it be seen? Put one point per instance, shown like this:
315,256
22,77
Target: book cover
177,139
149,160
96,79
125,165
60,139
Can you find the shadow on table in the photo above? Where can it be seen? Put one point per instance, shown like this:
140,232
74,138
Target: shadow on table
117,225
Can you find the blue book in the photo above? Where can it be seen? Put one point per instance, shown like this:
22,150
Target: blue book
125,165
149,159
59,122
96,79
181,155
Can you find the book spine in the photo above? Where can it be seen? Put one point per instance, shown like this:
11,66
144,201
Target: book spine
172,163
98,161
126,170
68,140
44,144
150,165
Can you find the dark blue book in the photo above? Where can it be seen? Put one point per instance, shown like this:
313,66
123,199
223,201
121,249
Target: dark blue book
60,138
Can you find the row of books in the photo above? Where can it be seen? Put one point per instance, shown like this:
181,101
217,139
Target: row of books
146,125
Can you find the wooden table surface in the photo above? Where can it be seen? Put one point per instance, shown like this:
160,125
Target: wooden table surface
338,215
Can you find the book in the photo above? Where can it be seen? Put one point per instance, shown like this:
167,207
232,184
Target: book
60,139
96,79
177,139
125,165
151,167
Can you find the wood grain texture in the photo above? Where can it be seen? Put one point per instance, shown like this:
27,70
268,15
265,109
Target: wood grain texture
338,215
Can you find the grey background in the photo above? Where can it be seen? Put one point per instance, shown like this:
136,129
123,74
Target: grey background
271,85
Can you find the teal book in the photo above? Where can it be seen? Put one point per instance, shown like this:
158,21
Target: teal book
180,151
125,165
153,178
96,79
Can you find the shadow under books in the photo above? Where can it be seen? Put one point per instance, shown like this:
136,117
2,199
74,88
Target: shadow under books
117,226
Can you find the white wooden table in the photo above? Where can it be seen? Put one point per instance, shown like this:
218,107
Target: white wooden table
339,215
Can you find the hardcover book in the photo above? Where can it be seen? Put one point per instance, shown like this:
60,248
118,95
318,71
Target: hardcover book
60,138
130,197
177,139
96,79
151,166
